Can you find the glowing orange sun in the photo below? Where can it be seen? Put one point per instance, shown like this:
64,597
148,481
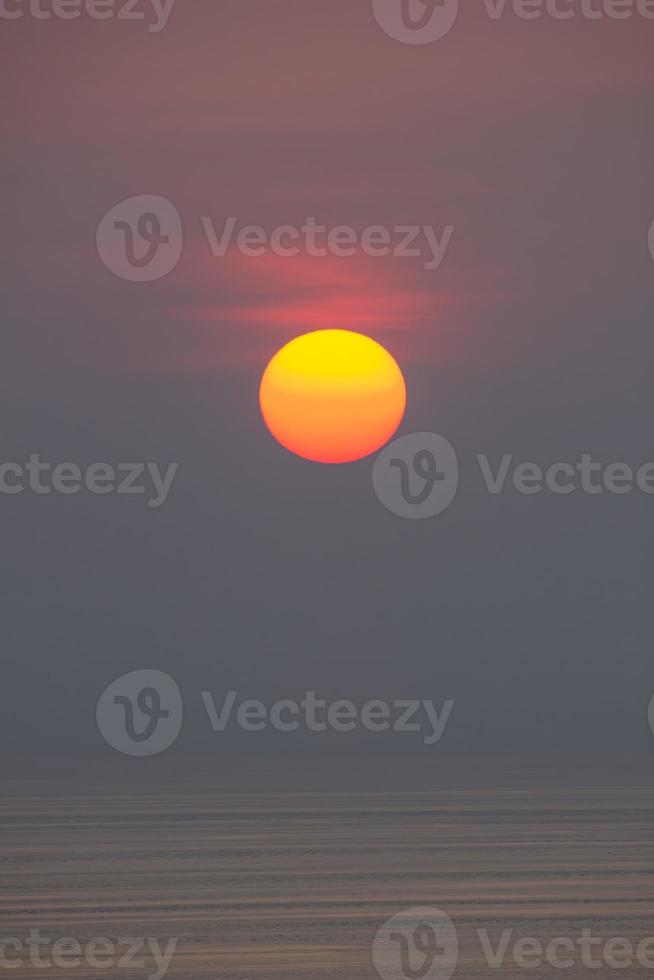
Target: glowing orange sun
332,396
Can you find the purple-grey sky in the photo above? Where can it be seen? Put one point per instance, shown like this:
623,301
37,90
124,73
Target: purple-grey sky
534,140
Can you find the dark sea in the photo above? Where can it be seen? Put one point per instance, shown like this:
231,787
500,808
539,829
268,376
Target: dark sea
294,885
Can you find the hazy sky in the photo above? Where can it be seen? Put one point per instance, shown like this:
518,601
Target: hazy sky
262,572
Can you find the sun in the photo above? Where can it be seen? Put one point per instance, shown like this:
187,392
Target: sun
332,396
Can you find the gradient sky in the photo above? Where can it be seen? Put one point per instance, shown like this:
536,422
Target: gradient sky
265,573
